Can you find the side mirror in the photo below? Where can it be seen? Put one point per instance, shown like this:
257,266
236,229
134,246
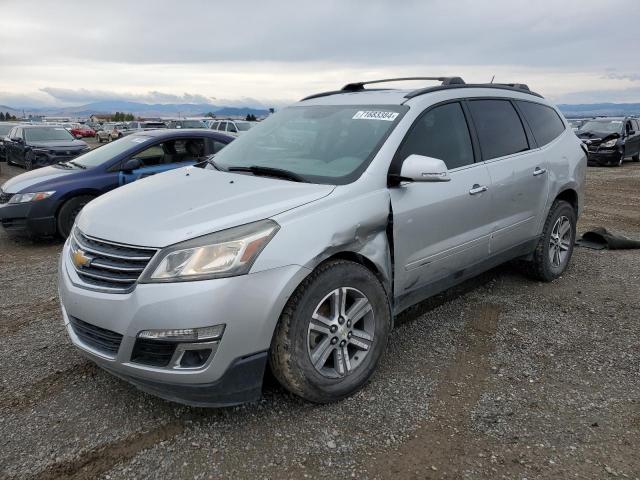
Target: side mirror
419,168
131,165
18,139
631,132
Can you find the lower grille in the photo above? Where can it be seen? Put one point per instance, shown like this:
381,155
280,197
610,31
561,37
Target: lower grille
5,197
108,266
98,338
153,352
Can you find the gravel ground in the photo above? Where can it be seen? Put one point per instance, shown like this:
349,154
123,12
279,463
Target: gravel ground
500,377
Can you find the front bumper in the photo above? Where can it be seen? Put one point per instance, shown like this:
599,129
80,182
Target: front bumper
604,157
45,158
29,217
249,306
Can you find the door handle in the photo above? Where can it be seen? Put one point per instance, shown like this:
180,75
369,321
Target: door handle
478,189
539,171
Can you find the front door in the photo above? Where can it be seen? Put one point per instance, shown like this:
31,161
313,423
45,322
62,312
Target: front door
440,228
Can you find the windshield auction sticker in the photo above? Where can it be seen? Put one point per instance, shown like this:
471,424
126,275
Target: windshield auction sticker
375,115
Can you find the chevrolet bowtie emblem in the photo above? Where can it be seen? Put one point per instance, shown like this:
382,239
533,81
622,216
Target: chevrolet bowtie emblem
80,259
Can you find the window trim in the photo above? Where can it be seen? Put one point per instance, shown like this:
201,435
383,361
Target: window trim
396,163
531,145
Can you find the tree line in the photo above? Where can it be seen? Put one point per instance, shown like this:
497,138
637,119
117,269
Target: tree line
7,116
122,117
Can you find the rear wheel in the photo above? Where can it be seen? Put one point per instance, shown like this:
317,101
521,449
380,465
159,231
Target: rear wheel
68,213
555,247
332,333
636,157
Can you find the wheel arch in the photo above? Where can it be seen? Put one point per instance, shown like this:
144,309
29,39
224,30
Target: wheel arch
569,195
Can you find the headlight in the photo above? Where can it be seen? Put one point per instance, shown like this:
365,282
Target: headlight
30,197
222,254
610,143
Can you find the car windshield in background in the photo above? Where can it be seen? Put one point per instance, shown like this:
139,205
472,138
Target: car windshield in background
320,144
602,127
5,129
100,155
243,126
154,125
47,134
192,124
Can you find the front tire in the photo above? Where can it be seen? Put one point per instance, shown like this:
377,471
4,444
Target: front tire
555,247
68,213
29,157
332,333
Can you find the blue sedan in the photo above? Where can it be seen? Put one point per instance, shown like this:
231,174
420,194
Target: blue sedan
46,201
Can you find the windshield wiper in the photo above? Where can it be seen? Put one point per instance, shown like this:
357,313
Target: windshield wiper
269,172
63,165
77,165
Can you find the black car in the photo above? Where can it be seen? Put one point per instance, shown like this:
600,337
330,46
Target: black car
5,128
34,146
610,140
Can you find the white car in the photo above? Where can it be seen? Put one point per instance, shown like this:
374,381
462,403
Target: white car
232,127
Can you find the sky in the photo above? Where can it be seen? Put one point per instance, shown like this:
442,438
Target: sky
271,53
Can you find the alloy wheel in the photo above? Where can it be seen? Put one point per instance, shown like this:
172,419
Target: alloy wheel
560,241
341,332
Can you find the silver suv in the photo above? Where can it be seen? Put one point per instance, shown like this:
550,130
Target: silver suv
298,244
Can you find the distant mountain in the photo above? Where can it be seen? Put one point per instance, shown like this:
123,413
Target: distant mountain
139,109
600,109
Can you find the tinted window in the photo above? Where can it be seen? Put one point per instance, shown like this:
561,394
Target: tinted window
231,127
544,121
223,126
499,128
636,125
441,133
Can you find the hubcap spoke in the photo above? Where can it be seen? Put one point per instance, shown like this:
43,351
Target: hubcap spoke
321,320
321,352
358,310
338,301
360,343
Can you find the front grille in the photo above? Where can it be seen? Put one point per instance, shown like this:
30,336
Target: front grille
153,352
108,266
97,338
5,197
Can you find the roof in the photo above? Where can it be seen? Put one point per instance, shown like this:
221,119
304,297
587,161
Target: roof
182,132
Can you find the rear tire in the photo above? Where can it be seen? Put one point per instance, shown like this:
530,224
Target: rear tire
68,213
636,157
555,247
332,333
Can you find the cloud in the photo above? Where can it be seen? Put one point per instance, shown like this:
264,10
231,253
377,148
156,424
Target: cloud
83,95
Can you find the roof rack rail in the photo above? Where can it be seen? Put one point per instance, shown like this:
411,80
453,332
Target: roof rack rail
518,87
359,86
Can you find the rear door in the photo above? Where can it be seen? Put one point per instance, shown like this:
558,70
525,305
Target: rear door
633,141
518,171
440,228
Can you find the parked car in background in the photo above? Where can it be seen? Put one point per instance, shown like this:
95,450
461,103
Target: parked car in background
141,126
110,132
5,128
232,127
46,201
576,123
34,146
610,140
299,242
186,124
83,131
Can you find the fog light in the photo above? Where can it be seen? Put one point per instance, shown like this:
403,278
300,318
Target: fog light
184,334
194,358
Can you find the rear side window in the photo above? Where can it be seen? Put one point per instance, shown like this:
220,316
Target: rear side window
499,128
441,133
544,121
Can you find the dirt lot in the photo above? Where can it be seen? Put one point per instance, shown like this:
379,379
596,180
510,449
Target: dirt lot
501,377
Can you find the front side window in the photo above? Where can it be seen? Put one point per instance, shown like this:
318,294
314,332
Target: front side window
223,126
499,128
321,144
231,128
172,151
47,134
441,133
543,121
108,152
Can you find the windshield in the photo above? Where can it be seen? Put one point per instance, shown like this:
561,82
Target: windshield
321,144
103,154
45,134
4,129
192,124
602,127
243,126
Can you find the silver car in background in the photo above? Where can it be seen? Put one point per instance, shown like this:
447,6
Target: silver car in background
298,244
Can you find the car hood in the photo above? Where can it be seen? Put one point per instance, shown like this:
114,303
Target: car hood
189,202
59,144
25,180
